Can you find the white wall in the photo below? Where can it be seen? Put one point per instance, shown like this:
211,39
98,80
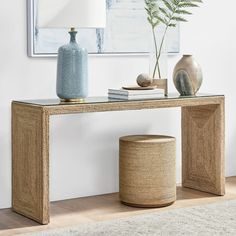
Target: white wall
75,169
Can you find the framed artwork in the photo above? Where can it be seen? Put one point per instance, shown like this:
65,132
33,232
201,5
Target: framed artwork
127,32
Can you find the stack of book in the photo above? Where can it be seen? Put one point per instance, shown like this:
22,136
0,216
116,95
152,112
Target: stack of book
124,94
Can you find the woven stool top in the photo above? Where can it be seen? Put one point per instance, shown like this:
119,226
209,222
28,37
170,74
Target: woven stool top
147,138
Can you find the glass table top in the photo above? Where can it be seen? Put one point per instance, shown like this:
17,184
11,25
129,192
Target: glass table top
92,100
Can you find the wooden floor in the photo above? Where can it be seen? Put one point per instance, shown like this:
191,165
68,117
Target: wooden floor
100,208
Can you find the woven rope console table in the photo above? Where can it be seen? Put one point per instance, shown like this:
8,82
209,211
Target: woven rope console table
202,144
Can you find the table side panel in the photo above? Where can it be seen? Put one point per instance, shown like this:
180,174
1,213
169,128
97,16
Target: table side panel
30,162
203,151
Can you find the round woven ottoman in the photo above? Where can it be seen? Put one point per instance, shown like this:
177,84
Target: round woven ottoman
147,170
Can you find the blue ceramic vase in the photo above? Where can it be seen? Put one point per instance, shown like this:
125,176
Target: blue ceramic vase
72,71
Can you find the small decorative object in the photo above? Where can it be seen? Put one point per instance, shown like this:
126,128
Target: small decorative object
147,82
187,76
144,80
151,87
167,13
72,71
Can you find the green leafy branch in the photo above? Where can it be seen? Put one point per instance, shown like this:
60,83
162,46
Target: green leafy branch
169,13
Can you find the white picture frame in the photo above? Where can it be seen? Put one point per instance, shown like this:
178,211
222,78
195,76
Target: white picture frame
117,40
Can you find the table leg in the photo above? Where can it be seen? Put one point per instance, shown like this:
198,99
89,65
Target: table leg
30,162
203,154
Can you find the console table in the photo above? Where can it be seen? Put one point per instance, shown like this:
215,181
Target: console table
202,144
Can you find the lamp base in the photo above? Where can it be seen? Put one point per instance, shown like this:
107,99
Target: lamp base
72,71
74,100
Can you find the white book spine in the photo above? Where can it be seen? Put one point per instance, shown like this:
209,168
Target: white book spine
136,92
133,97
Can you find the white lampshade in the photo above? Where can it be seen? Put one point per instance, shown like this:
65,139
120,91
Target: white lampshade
72,13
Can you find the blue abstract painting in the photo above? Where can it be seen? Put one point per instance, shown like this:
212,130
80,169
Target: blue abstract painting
127,31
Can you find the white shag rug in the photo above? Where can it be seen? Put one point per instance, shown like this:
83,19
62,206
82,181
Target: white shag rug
212,219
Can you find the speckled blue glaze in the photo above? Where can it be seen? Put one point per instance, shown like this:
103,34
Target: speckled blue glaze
72,71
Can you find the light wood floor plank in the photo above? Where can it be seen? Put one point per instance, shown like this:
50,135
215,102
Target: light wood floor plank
99,208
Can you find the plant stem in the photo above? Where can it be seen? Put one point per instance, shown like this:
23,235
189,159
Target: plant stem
156,54
161,45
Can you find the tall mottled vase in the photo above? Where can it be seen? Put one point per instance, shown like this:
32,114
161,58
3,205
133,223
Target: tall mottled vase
187,76
72,71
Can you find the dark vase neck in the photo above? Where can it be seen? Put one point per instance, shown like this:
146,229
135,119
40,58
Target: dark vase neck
73,36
